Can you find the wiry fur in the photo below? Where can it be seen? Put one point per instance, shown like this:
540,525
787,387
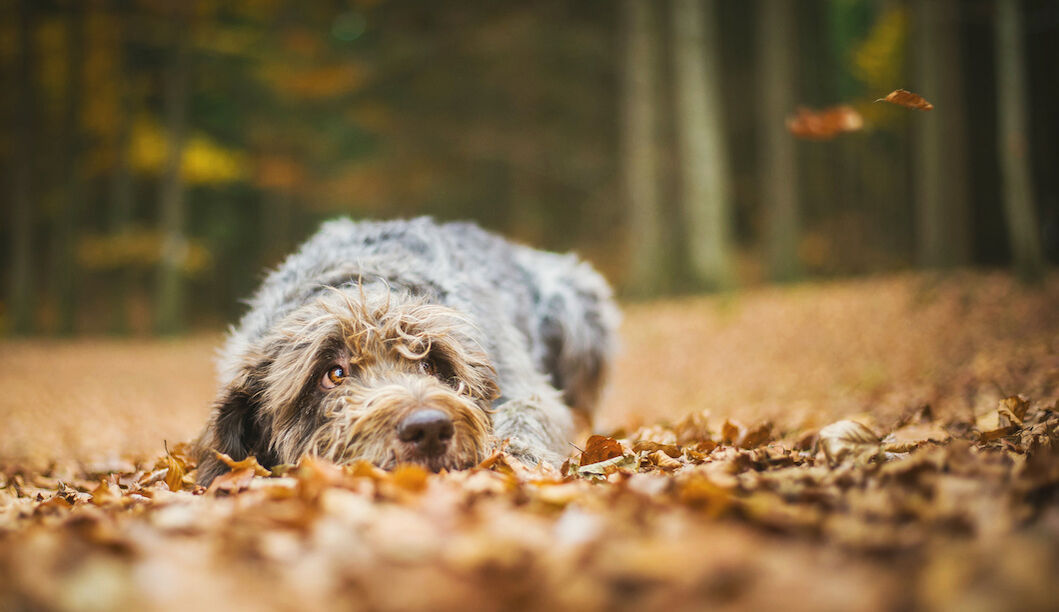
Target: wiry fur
501,338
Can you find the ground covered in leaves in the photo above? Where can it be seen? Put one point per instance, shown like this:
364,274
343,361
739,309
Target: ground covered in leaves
882,444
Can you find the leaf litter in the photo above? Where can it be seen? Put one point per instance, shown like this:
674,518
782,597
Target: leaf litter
916,504
670,515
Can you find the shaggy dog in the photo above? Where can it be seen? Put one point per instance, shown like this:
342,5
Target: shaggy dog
411,342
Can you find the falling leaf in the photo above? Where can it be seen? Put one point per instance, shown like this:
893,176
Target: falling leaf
600,448
824,124
906,98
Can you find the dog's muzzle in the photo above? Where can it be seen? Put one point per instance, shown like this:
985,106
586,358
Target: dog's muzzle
426,432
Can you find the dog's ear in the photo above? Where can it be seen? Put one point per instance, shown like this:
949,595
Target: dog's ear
469,365
235,427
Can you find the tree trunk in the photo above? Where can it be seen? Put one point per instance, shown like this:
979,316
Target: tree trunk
647,265
64,265
20,289
778,167
1013,143
121,184
169,299
943,237
699,127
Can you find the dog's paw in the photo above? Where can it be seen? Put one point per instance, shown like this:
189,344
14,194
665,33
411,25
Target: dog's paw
532,455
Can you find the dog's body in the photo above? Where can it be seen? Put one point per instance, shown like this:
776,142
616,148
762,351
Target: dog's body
411,341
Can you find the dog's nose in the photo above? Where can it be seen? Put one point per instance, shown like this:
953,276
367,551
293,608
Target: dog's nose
429,430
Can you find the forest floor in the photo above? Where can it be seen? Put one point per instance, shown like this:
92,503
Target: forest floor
886,443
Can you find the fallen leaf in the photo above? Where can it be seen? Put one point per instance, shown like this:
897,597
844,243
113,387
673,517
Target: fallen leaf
845,439
648,446
175,472
664,461
731,432
232,482
755,436
410,477
600,448
1012,411
608,466
250,463
999,432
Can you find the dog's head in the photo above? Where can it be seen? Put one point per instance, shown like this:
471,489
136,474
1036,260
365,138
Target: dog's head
387,378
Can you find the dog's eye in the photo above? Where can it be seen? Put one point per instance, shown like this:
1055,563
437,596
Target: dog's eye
333,377
427,367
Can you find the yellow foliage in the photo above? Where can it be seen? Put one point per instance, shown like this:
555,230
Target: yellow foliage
148,145
202,162
137,249
879,60
205,161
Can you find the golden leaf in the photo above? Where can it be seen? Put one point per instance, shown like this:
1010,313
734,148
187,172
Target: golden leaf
903,97
847,438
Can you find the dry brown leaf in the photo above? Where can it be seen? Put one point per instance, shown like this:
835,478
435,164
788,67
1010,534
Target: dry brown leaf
1012,411
755,436
917,433
732,432
664,461
824,124
250,463
999,432
105,494
701,493
410,477
232,482
902,97
847,439
600,448
648,446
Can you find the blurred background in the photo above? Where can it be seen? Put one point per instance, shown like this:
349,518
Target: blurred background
157,155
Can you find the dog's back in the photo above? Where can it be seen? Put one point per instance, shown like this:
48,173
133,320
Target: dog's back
562,307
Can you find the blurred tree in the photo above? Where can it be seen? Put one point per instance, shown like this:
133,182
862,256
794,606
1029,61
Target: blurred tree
778,169
704,163
169,298
121,205
647,259
72,203
943,232
23,121
1013,149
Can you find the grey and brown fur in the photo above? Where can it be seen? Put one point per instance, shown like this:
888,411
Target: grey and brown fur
507,341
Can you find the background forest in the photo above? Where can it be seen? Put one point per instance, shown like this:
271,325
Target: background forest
157,155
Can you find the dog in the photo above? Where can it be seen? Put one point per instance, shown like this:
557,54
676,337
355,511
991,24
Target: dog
412,341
